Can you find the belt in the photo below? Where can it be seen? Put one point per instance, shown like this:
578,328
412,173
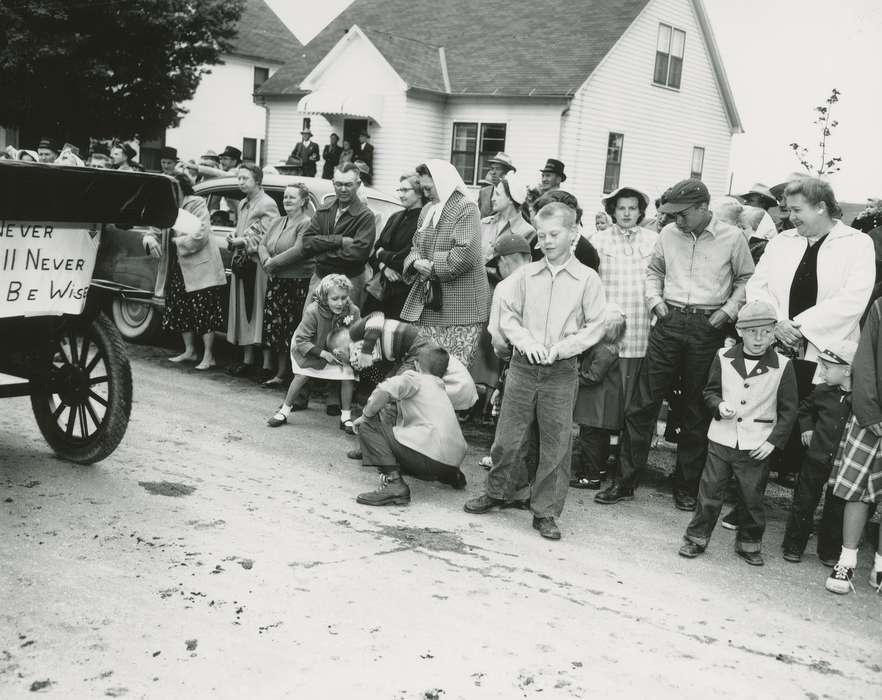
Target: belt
703,310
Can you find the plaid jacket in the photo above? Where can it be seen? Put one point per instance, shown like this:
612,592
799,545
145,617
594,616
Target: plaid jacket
454,246
624,256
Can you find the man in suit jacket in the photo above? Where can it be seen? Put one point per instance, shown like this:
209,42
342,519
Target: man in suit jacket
308,153
341,234
366,153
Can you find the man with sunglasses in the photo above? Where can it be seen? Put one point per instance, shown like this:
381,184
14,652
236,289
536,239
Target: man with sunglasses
695,286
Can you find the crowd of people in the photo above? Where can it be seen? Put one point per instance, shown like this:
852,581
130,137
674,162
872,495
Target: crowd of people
748,330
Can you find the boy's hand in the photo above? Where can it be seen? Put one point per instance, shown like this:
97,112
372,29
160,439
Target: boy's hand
329,358
551,356
763,451
806,437
535,353
718,318
726,411
356,424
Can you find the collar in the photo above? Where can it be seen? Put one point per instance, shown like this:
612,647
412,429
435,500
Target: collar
572,266
839,230
355,206
768,361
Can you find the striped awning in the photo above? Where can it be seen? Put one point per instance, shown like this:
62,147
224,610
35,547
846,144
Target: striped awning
350,104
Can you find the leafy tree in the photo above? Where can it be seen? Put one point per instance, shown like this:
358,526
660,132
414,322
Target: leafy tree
827,164
75,68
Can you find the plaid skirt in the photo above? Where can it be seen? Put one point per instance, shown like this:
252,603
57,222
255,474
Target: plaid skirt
857,469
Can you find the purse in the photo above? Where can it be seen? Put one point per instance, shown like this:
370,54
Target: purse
376,286
432,297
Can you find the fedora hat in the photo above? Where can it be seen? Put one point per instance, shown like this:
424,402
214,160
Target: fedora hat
777,191
168,153
761,190
553,165
210,155
502,159
306,131
232,152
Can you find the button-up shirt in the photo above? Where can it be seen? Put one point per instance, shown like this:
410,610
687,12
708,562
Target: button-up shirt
709,269
562,310
624,255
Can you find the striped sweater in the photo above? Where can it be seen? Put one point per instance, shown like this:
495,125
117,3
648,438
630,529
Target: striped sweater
396,338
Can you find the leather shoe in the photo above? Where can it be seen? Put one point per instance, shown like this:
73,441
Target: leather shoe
690,550
520,504
354,454
614,493
547,528
482,504
683,501
792,555
752,558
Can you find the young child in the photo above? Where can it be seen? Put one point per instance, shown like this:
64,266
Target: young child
310,356
857,471
600,404
822,418
751,390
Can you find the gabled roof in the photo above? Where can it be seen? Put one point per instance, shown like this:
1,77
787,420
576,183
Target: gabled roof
263,35
489,47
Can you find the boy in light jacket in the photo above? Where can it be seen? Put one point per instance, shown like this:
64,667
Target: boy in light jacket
751,390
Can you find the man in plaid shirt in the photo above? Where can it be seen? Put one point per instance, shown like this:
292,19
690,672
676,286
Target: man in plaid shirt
695,285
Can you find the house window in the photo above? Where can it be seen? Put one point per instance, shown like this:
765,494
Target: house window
473,145
261,75
669,56
613,162
697,162
249,150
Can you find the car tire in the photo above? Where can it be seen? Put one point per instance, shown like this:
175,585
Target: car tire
136,321
83,400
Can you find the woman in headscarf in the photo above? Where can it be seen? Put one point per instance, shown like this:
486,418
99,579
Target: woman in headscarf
194,304
446,257
248,287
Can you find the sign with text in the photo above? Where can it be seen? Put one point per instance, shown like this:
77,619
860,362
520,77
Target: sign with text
46,267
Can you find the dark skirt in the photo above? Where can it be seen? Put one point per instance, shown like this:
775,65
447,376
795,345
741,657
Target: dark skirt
198,312
282,311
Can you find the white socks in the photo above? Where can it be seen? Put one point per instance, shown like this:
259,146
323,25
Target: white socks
285,410
848,557
345,415
878,562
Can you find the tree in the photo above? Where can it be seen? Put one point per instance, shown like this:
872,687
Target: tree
75,68
827,165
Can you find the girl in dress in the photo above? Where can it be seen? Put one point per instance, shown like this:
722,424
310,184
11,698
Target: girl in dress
310,356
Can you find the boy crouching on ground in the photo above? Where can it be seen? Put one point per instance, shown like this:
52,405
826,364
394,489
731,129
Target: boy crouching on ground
751,390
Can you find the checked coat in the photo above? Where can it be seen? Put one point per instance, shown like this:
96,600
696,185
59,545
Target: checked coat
624,256
454,246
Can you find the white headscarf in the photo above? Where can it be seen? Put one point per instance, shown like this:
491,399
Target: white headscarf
447,181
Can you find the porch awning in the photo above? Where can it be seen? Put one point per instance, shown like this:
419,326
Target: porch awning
351,104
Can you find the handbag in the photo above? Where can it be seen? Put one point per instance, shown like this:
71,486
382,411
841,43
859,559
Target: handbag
432,297
376,286
245,270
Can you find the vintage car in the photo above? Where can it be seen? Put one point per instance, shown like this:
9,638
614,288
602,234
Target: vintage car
56,344
138,316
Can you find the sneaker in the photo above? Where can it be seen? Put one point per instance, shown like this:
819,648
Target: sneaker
876,579
730,522
690,550
752,558
393,491
792,555
547,528
840,580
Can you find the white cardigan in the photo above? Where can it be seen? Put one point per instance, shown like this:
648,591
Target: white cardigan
846,273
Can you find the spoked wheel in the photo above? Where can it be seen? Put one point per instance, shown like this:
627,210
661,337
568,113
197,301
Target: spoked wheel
83,407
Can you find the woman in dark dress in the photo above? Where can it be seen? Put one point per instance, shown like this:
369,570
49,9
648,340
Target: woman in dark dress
288,284
194,303
387,291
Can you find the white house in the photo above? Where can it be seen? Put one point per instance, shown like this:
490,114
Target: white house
223,112
623,91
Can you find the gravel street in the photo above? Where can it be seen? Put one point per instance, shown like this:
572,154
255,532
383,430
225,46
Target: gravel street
210,556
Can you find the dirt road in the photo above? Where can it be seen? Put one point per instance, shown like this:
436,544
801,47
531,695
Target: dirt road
213,557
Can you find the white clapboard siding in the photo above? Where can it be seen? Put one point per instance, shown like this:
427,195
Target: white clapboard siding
222,111
532,127
661,126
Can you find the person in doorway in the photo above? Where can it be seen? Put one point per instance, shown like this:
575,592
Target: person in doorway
365,153
554,313
552,175
331,157
693,305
